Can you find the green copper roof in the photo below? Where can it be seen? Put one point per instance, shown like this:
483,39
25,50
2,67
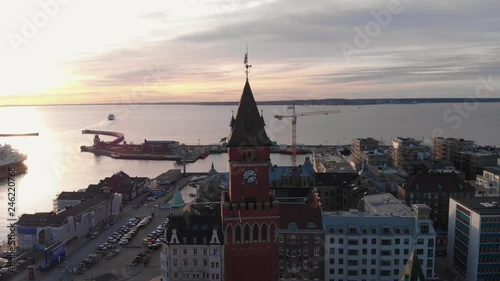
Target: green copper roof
177,201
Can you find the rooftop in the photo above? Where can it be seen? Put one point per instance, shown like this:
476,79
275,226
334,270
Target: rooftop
432,182
196,229
481,205
493,169
300,216
58,219
385,203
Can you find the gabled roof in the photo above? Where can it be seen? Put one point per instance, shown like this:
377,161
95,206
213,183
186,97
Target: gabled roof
276,173
195,226
434,182
413,270
301,216
247,129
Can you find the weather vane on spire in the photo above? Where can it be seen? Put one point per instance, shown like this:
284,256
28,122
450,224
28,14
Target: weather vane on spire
247,66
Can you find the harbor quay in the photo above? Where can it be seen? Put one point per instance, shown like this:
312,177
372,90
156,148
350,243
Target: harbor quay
172,150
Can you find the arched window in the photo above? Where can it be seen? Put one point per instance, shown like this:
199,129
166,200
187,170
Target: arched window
237,234
255,233
263,233
272,231
246,233
41,237
229,234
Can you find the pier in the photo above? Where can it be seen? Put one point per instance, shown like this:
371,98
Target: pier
149,150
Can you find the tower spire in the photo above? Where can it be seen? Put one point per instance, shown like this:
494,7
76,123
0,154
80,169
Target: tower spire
247,66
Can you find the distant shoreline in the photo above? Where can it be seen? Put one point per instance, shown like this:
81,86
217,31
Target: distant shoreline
357,102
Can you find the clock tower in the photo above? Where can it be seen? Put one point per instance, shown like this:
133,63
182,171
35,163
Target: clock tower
250,215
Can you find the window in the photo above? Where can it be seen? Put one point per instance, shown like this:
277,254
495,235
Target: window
205,252
353,230
397,241
341,251
352,262
306,252
373,262
365,251
215,252
281,251
396,251
332,251
352,242
353,252
205,263
316,239
374,241
185,251
195,262
341,241
407,241
386,242
386,230
305,239
280,238
175,262
332,261
374,251
174,252
332,240
316,264
281,264
365,241
185,263
195,251
316,252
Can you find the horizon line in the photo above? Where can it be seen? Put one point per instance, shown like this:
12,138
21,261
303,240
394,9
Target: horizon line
331,101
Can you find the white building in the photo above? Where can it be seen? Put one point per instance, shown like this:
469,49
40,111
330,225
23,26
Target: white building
376,244
489,183
40,230
474,238
193,246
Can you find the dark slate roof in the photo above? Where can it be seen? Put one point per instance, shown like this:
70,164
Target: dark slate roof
493,169
481,205
335,179
197,226
71,195
433,182
276,173
299,214
122,183
57,219
247,129
413,270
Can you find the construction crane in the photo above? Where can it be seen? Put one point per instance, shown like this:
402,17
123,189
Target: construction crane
294,127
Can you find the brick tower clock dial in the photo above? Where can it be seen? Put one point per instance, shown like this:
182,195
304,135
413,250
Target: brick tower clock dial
250,176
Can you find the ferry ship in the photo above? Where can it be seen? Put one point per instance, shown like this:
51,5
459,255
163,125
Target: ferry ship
10,157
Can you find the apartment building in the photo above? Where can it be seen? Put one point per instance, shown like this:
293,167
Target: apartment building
375,244
474,238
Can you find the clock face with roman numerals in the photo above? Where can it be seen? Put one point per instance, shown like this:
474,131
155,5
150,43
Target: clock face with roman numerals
250,176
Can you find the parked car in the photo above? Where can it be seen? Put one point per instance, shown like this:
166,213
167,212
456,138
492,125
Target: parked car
94,235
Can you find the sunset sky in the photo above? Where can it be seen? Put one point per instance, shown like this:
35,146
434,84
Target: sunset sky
68,51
